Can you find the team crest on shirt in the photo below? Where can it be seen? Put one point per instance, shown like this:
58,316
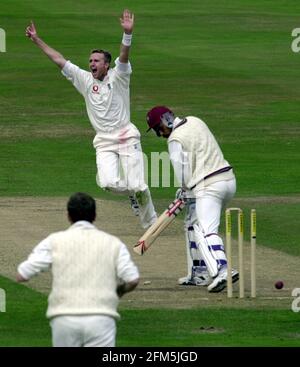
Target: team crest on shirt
95,89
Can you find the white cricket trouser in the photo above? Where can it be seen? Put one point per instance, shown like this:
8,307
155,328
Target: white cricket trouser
209,203
120,167
83,331
121,171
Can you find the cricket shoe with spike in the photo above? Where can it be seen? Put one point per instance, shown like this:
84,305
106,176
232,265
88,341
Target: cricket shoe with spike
134,205
220,281
198,278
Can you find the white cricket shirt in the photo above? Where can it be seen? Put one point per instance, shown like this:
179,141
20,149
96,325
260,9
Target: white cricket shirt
86,265
195,154
107,101
41,258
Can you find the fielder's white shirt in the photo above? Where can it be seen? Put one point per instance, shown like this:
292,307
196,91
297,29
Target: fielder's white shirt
107,102
41,259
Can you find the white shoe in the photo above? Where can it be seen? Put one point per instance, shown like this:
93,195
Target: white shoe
198,278
220,281
134,205
234,275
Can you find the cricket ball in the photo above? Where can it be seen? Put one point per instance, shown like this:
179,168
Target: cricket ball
279,284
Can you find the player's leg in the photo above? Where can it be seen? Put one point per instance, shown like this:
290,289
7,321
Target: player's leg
208,207
99,331
129,161
205,251
108,171
196,269
210,244
66,332
208,210
134,204
132,161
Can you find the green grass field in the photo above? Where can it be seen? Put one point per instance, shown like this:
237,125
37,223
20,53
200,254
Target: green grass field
228,62
24,324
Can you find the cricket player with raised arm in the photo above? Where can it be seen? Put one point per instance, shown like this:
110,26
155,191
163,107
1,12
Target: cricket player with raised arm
117,141
206,178
91,270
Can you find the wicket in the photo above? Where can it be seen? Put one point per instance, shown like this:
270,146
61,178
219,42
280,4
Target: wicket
240,251
2,40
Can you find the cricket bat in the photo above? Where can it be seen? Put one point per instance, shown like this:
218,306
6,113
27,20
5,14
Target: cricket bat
159,226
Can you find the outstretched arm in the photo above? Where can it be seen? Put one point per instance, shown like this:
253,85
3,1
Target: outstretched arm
39,260
127,22
53,55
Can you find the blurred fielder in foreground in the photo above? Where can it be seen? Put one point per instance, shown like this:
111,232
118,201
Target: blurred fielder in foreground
208,183
117,140
91,269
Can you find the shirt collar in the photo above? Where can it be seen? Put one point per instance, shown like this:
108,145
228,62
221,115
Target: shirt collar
176,122
82,224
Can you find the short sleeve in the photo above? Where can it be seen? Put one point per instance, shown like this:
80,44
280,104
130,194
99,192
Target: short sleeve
39,260
123,68
76,76
126,269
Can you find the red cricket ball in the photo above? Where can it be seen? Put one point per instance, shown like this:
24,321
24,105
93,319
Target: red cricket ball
279,284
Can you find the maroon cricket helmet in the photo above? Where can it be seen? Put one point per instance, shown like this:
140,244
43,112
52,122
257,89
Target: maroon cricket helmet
157,115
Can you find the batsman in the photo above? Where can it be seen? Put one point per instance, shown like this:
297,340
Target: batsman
207,184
